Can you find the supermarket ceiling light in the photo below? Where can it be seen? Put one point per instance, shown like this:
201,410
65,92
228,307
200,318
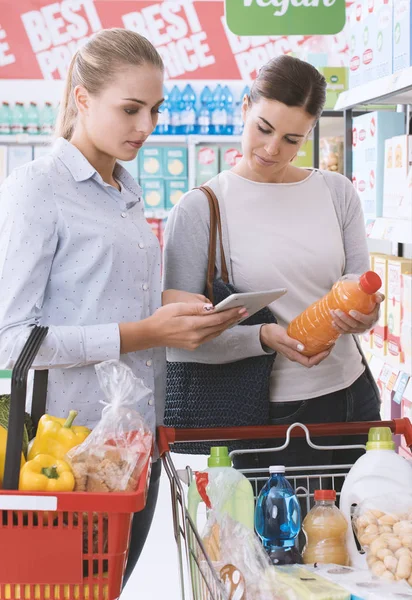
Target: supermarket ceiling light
285,17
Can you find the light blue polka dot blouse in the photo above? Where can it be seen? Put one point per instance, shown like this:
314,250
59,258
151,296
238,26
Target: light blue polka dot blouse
77,254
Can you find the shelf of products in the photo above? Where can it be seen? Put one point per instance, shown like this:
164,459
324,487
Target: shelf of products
392,230
392,89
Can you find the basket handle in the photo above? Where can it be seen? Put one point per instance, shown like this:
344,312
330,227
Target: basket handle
167,436
18,404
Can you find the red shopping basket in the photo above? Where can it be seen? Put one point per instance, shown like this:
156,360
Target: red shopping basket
58,546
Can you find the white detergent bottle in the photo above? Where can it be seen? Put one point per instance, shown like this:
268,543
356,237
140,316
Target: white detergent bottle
228,491
379,472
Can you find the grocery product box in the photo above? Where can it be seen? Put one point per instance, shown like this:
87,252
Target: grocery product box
207,162
402,34
3,163
153,193
304,157
405,207
18,156
130,166
150,162
377,51
406,321
175,162
396,268
398,159
337,80
355,29
380,330
368,145
174,190
230,155
39,151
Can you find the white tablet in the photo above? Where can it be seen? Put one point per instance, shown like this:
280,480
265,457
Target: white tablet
252,301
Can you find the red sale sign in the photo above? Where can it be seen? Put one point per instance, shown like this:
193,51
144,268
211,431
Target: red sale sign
38,38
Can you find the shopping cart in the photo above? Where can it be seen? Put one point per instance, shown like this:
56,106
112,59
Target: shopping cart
198,578
58,546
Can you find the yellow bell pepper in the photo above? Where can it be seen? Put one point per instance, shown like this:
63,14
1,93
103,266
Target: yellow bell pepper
46,474
3,444
57,436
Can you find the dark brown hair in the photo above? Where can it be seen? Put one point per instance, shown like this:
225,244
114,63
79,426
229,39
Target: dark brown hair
94,65
293,82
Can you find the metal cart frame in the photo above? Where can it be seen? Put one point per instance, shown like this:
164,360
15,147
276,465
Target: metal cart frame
198,577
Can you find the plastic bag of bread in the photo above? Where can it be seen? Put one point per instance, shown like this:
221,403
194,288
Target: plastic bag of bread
113,456
331,154
383,526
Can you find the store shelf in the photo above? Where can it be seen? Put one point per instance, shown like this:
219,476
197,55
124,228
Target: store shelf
391,230
393,89
25,138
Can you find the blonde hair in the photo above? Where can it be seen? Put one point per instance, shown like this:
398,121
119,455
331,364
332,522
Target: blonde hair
95,65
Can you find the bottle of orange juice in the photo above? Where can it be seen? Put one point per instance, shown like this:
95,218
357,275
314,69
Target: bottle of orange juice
314,328
325,530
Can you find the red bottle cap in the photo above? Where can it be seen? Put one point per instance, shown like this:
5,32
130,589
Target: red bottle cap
370,282
325,495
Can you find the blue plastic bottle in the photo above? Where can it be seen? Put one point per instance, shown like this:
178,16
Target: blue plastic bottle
188,114
228,102
5,119
175,100
219,114
237,123
245,92
18,118
33,119
204,115
278,518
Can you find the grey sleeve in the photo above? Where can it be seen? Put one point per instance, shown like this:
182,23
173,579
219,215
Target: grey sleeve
185,268
354,232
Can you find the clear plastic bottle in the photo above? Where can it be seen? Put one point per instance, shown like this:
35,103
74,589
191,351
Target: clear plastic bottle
188,114
325,529
47,119
228,102
5,119
219,113
33,119
175,100
204,116
278,518
18,118
314,326
237,119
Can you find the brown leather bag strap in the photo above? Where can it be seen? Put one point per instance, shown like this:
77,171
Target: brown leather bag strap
215,226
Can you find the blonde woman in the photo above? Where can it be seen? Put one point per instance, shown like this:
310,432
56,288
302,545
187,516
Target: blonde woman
77,254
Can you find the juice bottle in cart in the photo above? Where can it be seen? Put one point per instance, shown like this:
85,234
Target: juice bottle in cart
314,326
278,518
325,529
230,492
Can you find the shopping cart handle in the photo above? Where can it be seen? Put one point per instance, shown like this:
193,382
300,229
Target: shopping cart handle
167,436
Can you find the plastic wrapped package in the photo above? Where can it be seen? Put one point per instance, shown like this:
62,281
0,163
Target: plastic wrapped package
237,556
113,456
384,529
331,154
362,584
295,583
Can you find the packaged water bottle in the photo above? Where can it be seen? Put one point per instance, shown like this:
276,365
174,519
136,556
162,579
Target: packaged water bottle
314,326
237,120
175,111
325,529
5,119
230,492
204,116
163,120
47,119
228,102
219,114
33,119
278,518
18,118
188,114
